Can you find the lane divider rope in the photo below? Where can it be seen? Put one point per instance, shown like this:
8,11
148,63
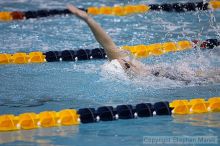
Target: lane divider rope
115,10
195,106
67,117
143,51
44,119
139,51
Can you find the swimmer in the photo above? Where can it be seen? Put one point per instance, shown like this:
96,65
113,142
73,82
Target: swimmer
115,55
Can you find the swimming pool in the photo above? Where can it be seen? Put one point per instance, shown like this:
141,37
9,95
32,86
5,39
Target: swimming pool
55,86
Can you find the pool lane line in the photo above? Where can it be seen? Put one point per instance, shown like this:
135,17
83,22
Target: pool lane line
138,51
115,10
69,117
45,119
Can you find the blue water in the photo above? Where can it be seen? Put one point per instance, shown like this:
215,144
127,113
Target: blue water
55,86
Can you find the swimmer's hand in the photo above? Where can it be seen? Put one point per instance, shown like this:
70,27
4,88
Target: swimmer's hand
79,13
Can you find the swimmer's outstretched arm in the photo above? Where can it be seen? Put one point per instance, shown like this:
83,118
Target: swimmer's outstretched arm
101,36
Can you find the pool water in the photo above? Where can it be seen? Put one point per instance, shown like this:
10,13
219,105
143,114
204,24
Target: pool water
60,85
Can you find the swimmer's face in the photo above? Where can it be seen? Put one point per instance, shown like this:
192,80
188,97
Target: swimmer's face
125,64
128,66
133,67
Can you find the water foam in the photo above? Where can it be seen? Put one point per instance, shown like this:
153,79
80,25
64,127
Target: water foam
192,70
